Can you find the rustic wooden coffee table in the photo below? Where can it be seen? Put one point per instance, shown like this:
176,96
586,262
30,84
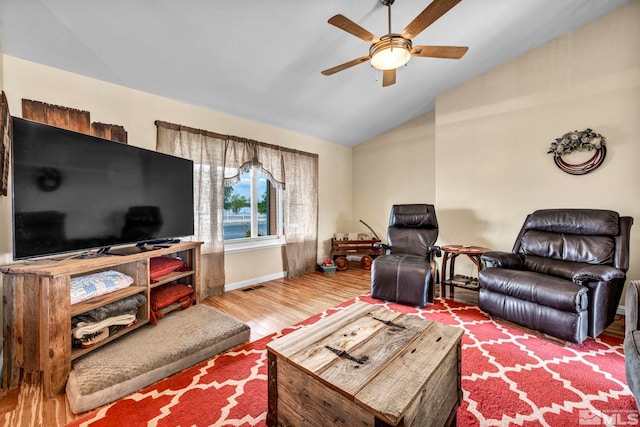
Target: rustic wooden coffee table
365,366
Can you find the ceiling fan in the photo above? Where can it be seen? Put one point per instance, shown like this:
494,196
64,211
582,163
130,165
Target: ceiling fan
392,50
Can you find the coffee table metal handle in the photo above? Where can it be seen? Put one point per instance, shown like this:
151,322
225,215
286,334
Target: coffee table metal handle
342,353
389,323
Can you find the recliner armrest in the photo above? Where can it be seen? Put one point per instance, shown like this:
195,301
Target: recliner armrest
386,248
435,250
502,259
631,305
597,273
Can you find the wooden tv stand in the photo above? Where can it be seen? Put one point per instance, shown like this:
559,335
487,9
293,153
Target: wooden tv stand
38,310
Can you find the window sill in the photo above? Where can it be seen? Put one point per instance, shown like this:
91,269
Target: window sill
242,245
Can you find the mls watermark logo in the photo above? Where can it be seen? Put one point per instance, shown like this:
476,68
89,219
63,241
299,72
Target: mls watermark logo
609,418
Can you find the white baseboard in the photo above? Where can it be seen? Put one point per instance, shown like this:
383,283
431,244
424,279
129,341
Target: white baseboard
254,281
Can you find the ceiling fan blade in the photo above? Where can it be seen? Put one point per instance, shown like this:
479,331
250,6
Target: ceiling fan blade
435,10
351,27
388,77
448,52
346,65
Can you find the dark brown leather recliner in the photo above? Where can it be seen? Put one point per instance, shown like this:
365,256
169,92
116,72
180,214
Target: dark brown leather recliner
406,273
565,274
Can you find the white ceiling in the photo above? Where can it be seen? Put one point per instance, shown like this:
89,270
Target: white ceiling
261,59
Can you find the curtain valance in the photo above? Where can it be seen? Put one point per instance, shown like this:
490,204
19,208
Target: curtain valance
240,154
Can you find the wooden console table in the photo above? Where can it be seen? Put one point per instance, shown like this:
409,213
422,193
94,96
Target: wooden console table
449,255
38,310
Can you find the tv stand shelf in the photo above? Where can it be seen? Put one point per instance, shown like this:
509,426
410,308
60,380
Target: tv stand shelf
84,306
171,277
78,352
38,310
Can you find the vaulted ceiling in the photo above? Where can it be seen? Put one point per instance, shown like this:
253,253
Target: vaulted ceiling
261,59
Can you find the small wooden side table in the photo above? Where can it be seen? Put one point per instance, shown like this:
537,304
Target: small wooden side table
449,255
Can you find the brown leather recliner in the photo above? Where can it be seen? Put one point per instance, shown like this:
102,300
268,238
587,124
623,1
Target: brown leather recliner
565,274
406,273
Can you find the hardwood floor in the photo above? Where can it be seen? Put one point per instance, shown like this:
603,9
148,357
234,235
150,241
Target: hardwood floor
271,306
266,308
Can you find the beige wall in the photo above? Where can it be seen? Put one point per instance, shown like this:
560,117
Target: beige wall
1,67
395,167
492,135
495,130
137,111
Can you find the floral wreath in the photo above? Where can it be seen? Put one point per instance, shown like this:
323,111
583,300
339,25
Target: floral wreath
586,140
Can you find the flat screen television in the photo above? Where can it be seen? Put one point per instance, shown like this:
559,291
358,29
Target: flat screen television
74,192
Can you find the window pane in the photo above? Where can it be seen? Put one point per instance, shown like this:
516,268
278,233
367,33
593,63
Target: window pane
237,209
266,207
250,207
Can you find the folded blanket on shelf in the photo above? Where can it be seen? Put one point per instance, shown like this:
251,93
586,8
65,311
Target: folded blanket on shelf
89,328
87,334
128,305
93,285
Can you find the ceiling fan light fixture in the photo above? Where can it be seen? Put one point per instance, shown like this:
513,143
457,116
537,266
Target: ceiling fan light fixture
391,52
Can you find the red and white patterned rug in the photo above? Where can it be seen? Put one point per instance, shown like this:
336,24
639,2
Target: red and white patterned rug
509,377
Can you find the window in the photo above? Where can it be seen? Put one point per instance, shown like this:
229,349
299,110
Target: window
252,209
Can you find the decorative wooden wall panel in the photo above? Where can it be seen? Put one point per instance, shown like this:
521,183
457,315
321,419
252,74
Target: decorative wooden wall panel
71,119
56,115
5,144
113,132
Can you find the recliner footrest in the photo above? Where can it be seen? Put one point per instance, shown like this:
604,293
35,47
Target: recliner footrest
559,294
401,278
568,326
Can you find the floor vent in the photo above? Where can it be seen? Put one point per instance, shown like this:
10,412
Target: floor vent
252,288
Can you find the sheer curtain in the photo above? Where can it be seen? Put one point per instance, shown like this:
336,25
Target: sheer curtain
207,152
300,203
220,160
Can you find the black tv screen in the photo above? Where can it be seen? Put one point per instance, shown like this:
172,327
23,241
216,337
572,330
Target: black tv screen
75,192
